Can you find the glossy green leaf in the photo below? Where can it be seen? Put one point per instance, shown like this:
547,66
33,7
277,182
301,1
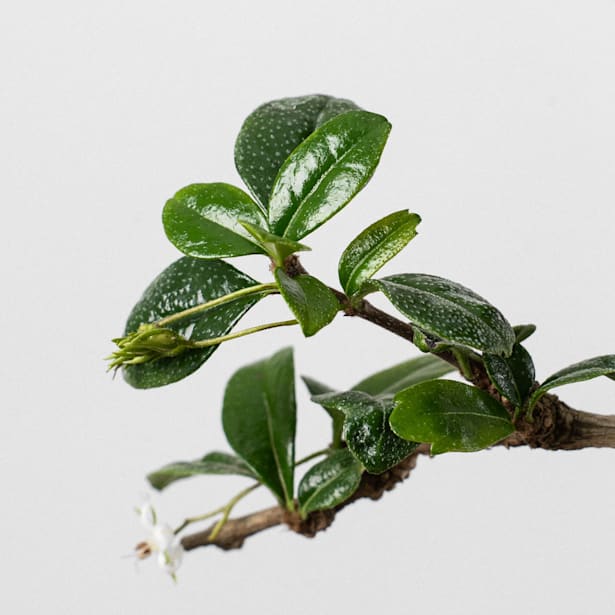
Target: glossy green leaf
512,376
212,463
374,247
366,429
259,417
522,332
393,379
330,482
273,131
278,248
327,170
578,372
204,220
449,310
312,303
184,284
337,418
452,416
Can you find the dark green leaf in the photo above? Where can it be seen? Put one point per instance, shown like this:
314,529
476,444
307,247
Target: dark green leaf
449,310
522,332
327,170
212,463
312,303
272,132
184,284
393,379
374,247
278,248
259,417
512,376
337,418
203,220
578,372
329,482
452,416
366,429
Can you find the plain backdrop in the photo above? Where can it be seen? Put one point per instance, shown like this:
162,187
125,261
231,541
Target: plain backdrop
503,141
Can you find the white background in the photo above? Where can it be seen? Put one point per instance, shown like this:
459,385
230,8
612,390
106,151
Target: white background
503,140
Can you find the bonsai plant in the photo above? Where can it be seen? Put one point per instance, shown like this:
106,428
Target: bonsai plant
303,160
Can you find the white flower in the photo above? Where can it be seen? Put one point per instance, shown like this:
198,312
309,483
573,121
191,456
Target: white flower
161,540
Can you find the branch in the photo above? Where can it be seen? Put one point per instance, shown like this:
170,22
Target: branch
556,426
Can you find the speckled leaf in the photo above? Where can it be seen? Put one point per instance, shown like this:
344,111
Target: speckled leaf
578,372
278,248
182,285
273,131
366,429
327,170
512,376
203,220
374,247
452,416
212,463
393,379
259,417
522,332
330,482
449,310
312,303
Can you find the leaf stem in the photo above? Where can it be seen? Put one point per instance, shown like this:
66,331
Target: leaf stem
224,510
311,456
265,289
231,336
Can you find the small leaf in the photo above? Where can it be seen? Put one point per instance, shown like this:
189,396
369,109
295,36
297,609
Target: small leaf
337,418
325,172
522,332
578,372
393,379
330,482
259,417
212,463
273,131
278,248
374,247
366,429
512,376
452,416
449,310
203,220
312,303
184,284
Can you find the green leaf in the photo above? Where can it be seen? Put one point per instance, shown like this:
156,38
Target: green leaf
278,248
366,429
337,418
325,172
273,131
204,220
374,247
578,372
312,303
393,379
184,284
522,332
512,376
212,463
451,415
449,310
330,482
259,417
